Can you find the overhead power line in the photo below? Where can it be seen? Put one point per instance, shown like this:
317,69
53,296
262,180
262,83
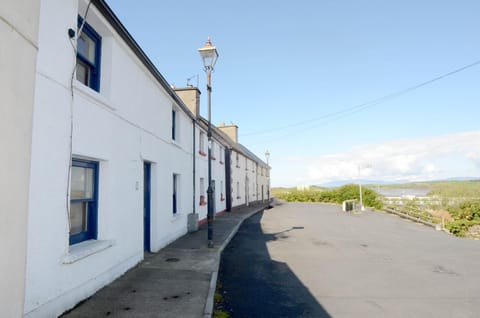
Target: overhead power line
359,107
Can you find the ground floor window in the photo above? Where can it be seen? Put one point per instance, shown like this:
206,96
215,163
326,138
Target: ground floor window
203,199
83,201
175,196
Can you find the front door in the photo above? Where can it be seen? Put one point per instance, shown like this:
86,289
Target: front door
146,205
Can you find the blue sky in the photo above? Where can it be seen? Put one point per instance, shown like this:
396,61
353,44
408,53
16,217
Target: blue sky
283,63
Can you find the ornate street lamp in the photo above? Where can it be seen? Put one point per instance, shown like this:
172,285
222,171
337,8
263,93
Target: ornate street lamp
209,56
267,156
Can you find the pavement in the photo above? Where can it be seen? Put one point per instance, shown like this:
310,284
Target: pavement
178,281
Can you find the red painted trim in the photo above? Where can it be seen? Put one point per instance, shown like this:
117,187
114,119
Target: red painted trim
202,200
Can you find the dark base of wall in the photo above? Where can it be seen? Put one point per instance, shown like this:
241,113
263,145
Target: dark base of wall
204,220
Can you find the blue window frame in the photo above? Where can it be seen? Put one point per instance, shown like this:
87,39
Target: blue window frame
89,49
83,201
174,125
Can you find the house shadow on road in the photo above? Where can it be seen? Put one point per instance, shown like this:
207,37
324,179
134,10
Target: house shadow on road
254,285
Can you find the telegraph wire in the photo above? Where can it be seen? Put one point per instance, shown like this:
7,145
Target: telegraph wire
360,107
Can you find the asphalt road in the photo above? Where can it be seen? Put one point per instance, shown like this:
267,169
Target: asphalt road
311,260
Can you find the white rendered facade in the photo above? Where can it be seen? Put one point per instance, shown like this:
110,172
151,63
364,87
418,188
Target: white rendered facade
239,179
126,123
131,131
201,172
249,180
18,52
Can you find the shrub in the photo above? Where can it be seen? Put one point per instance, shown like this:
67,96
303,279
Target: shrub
468,210
460,227
338,195
465,215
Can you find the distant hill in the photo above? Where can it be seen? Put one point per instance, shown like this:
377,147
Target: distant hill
339,183
401,183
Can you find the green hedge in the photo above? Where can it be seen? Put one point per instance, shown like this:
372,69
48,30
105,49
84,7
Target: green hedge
464,216
337,195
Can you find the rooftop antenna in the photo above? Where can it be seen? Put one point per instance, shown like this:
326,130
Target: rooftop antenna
190,78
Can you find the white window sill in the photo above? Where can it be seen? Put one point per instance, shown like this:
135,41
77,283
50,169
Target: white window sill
84,249
94,96
176,143
175,217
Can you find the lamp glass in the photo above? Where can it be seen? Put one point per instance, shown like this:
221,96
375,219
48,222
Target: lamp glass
209,54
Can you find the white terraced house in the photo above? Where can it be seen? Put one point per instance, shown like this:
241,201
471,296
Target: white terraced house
110,160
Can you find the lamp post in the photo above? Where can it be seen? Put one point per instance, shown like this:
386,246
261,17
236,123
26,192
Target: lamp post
267,156
209,56
362,208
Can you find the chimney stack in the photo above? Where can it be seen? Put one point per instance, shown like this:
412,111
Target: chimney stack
190,96
230,130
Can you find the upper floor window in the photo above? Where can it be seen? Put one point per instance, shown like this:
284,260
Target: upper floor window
201,150
83,201
214,157
174,125
88,56
238,160
221,154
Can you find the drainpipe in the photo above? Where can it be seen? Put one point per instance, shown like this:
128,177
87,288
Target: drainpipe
194,168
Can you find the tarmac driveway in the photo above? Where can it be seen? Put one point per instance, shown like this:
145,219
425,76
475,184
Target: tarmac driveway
313,260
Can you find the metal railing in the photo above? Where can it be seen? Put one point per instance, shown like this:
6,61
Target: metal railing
415,214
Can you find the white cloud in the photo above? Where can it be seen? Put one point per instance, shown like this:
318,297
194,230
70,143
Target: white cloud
475,157
429,158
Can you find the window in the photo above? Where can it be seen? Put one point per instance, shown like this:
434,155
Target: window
221,154
83,201
222,198
88,56
201,150
238,190
174,125
202,192
238,160
175,196
213,151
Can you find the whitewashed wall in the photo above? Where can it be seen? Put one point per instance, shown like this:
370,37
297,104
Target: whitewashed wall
262,180
127,123
249,170
238,179
218,174
252,179
18,52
